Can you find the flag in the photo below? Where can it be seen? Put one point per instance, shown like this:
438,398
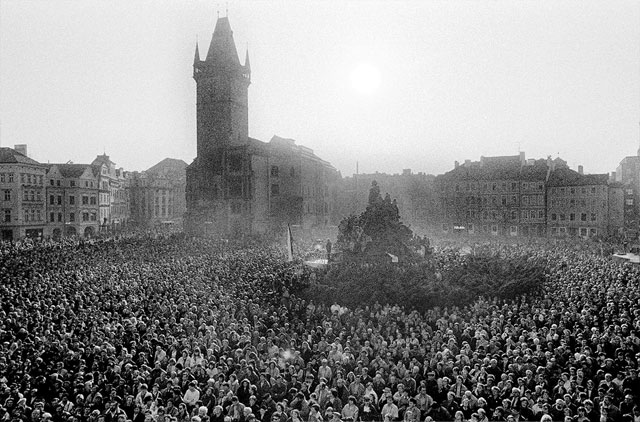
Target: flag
289,244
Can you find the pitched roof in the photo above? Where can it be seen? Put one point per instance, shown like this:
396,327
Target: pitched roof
168,165
10,155
72,170
566,177
222,50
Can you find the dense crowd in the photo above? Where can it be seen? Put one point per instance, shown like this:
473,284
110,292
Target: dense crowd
178,330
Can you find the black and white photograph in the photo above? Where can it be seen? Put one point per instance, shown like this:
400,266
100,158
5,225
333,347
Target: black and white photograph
319,211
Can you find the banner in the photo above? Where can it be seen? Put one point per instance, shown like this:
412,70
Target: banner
289,245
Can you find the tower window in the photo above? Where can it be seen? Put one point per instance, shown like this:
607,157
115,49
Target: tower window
275,171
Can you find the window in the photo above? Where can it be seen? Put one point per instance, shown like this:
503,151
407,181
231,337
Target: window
572,217
51,182
513,230
275,171
32,195
593,189
26,216
59,199
514,185
10,175
7,216
38,196
275,189
525,214
92,200
93,216
25,195
583,231
573,191
513,199
52,217
628,201
7,195
85,200
85,216
514,215
562,217
593,216
72,183
2,177
583,216
541,214
22,178
554,230
52,200
38,216
525,200
72,216
594,232
72,200
57,182
59,217
554,217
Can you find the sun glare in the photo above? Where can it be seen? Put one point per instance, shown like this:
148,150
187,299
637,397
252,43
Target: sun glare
365,79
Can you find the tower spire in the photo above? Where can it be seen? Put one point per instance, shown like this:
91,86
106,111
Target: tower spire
196,59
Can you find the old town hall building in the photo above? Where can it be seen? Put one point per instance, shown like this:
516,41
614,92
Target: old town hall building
239,185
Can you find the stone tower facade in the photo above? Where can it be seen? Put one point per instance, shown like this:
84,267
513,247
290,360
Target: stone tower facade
238,185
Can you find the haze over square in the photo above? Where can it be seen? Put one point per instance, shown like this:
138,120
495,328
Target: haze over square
456,80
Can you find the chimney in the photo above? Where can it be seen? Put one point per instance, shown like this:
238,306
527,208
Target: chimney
21,148
456,164
613,176
580,169
467,163
523,160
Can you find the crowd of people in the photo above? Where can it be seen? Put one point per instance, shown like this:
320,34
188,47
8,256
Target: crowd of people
180,330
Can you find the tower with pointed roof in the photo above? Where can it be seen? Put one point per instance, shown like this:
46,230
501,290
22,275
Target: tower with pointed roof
222,93
238,185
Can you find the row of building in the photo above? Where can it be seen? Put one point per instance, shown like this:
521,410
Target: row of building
238,185
54,200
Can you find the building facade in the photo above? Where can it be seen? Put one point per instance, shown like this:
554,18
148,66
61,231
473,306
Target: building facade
22,196
239,185
113,194
72,200
628,174
157,195
494,196
583,205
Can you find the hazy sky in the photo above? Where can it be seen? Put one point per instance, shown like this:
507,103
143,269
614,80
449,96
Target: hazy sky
392,85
